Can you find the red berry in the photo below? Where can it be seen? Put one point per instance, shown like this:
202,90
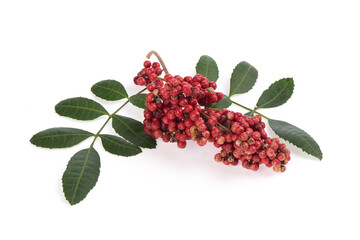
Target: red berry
212,121
150,71
158,71
235,162
152,107
256,135
181,126
194,115
213,98
254,166
202,141
147,63
181,144
228,147
244,146
206,134
182,137
166,138
228,138
220,140
171,114
252,149
218,157
276,163
213,85
157,134
188,108
183,102
155,65
270,152
151,87
165,120
281,156
243,136
262,154
167,77
179,113
202,127
274,145
188,123
220,96
150,97
155,125
141,81
215,132
147,114
265,161
152,76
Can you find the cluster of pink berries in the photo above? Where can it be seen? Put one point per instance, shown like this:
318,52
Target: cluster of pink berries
174,114
242,138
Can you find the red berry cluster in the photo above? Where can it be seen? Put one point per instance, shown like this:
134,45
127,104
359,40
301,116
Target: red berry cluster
174,114
242,138
149,74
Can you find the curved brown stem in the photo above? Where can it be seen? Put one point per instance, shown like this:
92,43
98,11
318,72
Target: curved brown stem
206,117
159,58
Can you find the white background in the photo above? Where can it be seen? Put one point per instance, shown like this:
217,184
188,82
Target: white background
52,50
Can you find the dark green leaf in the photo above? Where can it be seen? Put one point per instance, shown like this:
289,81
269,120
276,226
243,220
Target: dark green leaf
296,136
243,78
133,131
81,175
207,67
110,90
277,94
138,100
80,108
59,137
118,146
250,114
224,103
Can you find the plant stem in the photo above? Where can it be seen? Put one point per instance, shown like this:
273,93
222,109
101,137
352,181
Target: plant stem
206,117
249,109
110,116
159,58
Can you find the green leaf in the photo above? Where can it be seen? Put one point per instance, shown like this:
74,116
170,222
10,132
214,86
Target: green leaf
277,94
243,78
296,136
138,100
80,108
133,131
110,90
59,137
207,67
224,103
118,146
81,175
249,114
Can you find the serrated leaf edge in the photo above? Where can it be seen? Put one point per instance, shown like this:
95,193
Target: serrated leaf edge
207,67
110,89
124,146
292,91
34,137
80,175
247,71
117,117
320,158
104,112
